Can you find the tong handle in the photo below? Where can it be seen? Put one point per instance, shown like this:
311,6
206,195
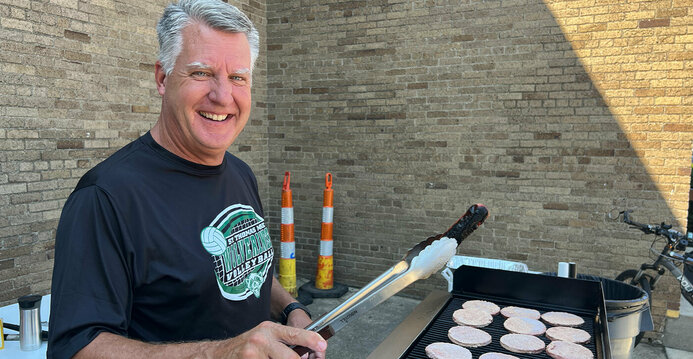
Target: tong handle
326,333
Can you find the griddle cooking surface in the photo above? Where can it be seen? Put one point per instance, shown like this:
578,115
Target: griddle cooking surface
437,330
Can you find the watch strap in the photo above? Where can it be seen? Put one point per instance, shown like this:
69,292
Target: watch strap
290,308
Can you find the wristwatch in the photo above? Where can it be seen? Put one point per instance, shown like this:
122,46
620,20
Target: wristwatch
290,308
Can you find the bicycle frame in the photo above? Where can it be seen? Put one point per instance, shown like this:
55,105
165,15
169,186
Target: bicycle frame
663,259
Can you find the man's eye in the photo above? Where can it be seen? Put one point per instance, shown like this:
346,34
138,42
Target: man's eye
200,74
239,80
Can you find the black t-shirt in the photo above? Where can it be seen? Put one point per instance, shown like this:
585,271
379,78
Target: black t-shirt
156,248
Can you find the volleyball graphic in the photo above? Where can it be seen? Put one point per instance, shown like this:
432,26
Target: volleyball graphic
213,240
241,250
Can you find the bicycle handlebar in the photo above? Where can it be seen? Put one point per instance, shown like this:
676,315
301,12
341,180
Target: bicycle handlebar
647,228
660,230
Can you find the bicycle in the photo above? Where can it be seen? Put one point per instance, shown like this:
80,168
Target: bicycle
668,258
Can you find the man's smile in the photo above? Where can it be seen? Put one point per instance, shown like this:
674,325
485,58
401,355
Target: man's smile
214,117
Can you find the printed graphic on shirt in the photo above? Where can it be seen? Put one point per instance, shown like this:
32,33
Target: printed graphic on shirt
240,244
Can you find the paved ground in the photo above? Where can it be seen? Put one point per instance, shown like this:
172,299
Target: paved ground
359,338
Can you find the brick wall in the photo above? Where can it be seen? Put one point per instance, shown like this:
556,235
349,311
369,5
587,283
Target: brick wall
76,84
421,108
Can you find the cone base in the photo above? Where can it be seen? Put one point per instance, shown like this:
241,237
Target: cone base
337,290
304,298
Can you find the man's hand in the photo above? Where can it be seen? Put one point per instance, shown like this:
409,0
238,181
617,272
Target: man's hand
271,340
299,319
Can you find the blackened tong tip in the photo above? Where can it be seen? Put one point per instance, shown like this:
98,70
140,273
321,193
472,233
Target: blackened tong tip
470,221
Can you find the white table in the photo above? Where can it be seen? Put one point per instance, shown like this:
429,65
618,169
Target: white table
10,314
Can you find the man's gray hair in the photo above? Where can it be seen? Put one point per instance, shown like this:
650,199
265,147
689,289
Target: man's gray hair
213,13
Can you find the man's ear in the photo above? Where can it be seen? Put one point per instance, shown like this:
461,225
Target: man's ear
160,77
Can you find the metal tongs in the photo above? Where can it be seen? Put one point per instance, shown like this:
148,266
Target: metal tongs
414,266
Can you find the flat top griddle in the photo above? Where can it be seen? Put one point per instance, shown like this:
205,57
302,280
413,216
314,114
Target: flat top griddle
541,292
437,331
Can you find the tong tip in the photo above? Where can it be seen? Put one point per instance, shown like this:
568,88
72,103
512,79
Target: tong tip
470,221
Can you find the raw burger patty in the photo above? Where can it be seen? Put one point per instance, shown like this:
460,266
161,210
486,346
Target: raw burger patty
441,350
520,312
468,336
497,356
565,350
520,325
522,343
563,319
568,334
490,308
472,317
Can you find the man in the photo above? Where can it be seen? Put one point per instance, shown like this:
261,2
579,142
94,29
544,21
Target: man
162,250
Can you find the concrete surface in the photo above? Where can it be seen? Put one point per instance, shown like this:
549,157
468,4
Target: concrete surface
676,354
678,333
686,308
360,337
646,351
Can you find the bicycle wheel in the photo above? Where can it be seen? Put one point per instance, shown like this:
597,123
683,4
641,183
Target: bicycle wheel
644,283
627,276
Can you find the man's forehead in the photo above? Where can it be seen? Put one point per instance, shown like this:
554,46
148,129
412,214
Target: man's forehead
193,31
199,38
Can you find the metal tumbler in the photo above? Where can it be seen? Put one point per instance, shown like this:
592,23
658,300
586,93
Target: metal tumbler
29,322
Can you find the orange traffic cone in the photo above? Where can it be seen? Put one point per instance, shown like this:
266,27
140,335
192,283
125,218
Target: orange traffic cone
324,278
287,260
324,286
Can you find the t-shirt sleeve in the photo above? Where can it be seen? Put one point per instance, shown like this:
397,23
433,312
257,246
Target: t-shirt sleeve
91,290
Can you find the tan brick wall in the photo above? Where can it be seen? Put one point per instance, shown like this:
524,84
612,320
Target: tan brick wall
421,108
76,84
638,54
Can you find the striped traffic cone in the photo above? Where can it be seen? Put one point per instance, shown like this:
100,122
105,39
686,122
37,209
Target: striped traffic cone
324,278
287,260
324,286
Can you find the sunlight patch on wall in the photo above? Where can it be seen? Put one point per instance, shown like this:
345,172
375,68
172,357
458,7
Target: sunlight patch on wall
639,55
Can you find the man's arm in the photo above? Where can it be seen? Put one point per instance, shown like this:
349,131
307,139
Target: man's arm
279,300
297,318
267,340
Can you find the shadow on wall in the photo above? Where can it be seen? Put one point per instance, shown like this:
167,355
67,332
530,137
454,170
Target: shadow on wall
420,109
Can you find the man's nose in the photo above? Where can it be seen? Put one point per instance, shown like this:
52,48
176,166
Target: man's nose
221,92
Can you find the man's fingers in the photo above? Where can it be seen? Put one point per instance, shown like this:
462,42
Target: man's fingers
302,337
272,340
280,350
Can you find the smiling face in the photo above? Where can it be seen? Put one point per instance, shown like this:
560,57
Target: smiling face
206,97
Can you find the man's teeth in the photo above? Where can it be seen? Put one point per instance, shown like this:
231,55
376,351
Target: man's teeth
213,117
